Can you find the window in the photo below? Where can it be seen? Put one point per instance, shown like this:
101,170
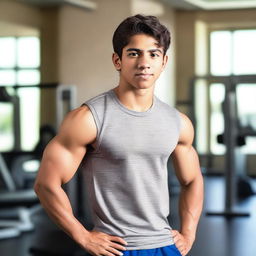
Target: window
20,65
232,53
246,106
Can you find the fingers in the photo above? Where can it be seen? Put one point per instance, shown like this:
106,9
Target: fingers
114,251
175,235
102,244
180,246
119,239
179,242
117,244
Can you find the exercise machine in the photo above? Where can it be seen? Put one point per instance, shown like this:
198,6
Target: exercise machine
18,199
237,183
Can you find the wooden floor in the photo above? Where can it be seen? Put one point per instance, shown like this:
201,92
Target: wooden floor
216,236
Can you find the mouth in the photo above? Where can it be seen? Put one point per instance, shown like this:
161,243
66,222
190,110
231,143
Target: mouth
143,75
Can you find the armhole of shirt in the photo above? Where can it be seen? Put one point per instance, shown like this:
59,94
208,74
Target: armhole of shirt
177,113
97,123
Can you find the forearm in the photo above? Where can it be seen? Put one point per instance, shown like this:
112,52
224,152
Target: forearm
57,205
190,206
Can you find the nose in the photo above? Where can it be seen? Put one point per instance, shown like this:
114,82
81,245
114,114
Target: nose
143,63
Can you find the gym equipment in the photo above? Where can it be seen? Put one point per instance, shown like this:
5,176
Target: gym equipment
65,101
65,96
13,198
233,138
20,190
19,198
14,100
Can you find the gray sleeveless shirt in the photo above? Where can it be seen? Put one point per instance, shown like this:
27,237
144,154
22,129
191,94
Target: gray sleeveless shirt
126,173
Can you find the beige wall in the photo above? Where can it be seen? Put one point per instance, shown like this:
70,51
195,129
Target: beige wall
185,52
19,13
166,84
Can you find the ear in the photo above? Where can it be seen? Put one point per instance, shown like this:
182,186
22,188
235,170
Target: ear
116,61
165,59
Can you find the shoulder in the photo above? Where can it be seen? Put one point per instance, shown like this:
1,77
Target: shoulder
186,129
98,99
78,127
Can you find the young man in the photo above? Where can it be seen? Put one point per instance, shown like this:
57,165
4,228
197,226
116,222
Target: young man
123,138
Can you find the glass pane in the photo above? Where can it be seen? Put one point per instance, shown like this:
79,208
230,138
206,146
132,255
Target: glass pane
31,166
246,103
220,54
217,95
28,52
29,111
244,52
201,109
6,127
28,77
7,77
246,108
7,52
250,147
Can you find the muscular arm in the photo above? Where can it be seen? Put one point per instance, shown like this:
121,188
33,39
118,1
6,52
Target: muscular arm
187,169
60,161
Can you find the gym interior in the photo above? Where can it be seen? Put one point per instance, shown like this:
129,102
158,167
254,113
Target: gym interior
56,54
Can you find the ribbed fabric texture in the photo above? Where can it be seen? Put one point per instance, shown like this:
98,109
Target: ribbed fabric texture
126,173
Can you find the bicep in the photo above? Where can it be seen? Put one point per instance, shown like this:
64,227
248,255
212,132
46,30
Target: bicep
59,162
64,153
184,157
186,163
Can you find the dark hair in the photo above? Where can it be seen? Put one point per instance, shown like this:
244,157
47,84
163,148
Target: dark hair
140,24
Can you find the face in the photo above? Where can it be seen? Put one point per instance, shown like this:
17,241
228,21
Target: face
142,62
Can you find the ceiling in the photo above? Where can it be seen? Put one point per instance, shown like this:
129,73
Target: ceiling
212,4
86,4
179,4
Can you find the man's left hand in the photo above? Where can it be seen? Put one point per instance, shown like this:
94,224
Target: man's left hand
183,242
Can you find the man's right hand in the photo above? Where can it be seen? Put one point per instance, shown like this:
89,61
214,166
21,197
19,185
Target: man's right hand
99,244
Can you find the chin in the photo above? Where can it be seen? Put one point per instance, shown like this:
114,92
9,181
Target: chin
142,85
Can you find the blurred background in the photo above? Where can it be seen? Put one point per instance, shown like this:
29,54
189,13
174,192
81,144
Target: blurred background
56,54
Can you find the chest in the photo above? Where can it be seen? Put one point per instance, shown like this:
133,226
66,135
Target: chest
147,137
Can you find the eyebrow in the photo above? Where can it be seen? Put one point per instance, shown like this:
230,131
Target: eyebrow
139,50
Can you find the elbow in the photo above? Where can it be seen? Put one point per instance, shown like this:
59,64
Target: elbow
197,180
37,187
43,188
185,183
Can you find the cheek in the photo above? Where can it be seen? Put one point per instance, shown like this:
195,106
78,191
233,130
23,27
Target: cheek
128,67
159,68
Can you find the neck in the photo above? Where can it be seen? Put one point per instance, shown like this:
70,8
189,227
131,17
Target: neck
135,99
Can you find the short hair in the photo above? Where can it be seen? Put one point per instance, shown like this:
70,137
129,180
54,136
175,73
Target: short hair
140,24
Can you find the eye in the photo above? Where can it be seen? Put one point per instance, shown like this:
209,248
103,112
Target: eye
153,54
133,54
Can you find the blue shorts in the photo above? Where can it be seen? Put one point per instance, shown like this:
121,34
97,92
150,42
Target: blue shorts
169,250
